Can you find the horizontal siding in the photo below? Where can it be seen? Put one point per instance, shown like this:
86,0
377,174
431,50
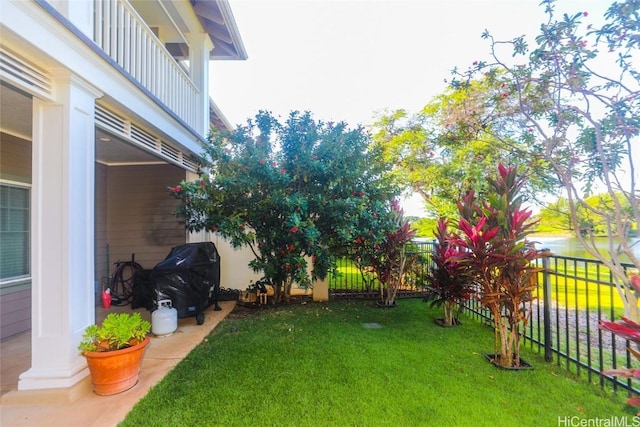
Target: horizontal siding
139,213
15,158
15,313
15,301
101,268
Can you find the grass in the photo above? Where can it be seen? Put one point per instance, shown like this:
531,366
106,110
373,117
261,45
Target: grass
574,286
317,365
576,292
349,276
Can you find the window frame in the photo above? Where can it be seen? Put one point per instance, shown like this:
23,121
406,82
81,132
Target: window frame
23,278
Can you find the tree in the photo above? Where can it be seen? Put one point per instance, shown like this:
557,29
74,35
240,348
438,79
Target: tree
496,252
556,216
446,149
573,102
296,193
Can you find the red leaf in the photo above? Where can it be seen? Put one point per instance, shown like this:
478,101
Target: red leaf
502,170
630,322
621,330
635,401
491,233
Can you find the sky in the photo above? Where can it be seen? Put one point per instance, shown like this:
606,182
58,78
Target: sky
350,60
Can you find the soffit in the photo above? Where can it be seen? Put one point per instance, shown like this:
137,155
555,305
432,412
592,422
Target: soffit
172,21
218,21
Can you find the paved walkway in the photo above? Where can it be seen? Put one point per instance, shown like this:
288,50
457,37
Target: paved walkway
79,406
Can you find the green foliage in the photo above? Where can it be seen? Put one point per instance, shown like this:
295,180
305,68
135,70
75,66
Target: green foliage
424,227
296,193
497,254
556,217
118,331
388,258
571,102
449,146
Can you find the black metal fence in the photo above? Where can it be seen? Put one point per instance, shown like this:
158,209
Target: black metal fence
351,282
573,295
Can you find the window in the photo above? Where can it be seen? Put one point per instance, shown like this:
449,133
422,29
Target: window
14,232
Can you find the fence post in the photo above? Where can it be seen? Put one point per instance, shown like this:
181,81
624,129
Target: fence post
546,283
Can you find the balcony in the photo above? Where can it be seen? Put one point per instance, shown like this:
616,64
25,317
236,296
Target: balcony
149,41
123,35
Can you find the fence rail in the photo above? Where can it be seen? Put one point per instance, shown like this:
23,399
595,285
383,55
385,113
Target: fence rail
572,296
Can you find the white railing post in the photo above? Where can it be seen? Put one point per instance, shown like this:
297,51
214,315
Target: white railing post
128,40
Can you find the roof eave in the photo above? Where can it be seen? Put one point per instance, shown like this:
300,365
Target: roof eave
227,14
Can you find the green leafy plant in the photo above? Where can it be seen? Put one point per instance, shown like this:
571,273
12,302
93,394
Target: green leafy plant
569,106
118,331
294,192
258,286
384,251
449,281
498,255
393,262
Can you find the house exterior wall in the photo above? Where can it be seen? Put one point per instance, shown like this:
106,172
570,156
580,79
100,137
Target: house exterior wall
79,207
15,312
102,261
119,92
15,161
139,213
15,297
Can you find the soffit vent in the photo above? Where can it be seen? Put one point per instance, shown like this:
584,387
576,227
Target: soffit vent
170,152
189,164
24,75
118,126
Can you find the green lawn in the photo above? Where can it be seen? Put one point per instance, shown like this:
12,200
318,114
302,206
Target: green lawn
318,365
572,291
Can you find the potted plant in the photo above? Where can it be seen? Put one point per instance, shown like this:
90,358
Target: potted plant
449,282
255,294
497,253
114,351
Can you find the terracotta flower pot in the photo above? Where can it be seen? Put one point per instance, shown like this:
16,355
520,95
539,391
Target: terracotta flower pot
116,371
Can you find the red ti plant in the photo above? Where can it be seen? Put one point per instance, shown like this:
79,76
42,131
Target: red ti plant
498,255
390,261
449,280
630,330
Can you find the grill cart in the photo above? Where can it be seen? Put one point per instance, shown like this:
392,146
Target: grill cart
189,276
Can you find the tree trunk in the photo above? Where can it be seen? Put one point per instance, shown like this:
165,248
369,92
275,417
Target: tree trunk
448,307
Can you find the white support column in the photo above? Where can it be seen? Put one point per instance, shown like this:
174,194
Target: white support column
199,47
62,233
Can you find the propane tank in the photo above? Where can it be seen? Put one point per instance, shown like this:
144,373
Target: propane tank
164,321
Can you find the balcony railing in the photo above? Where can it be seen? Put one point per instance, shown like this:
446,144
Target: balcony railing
128,40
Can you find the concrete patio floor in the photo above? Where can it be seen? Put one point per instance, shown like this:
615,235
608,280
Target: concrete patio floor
78,405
